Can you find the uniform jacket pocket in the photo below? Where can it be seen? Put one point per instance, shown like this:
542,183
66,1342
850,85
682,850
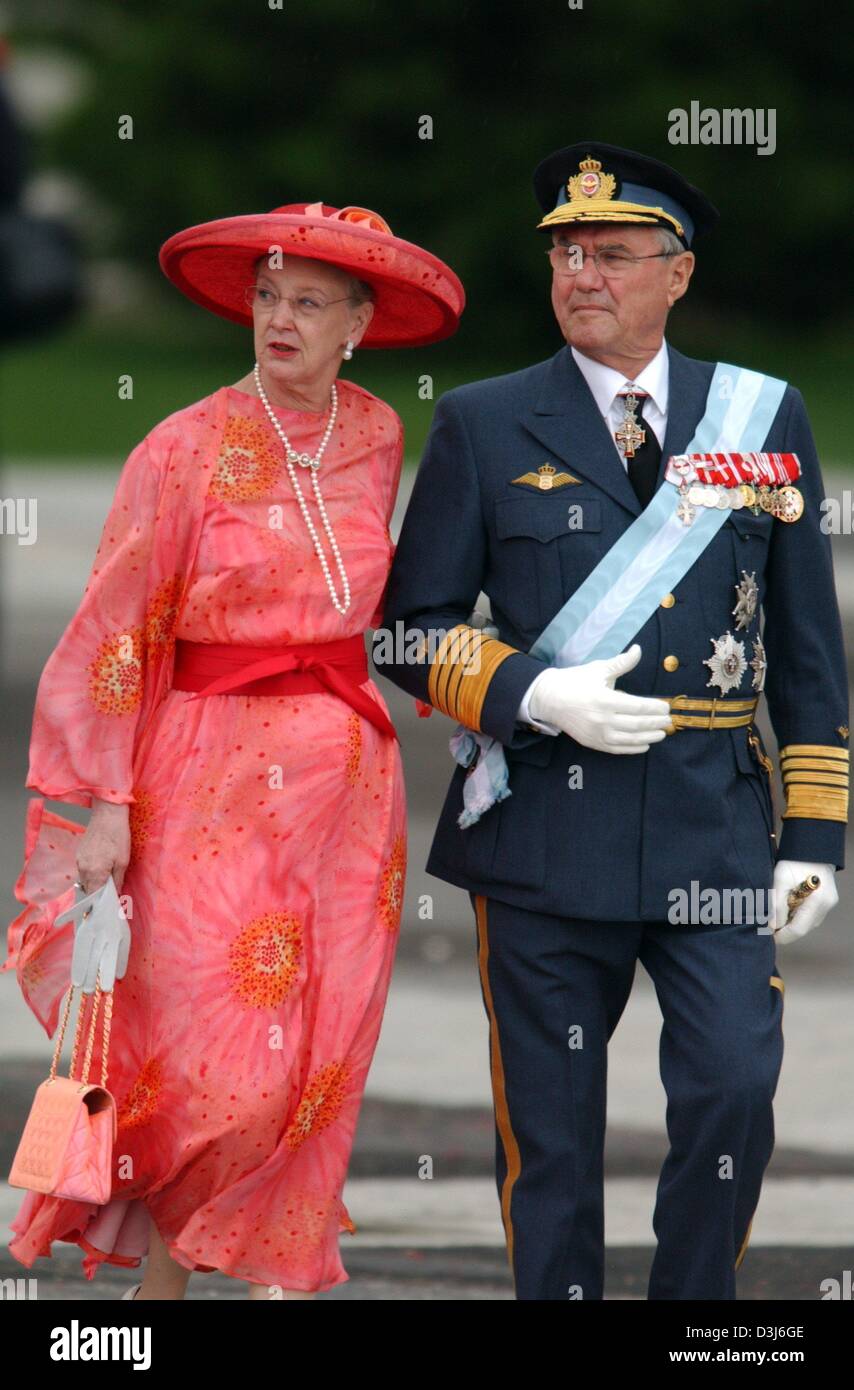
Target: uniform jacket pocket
546,545
749,766
545,518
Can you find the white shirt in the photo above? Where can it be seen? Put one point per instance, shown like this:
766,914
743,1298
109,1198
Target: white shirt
605,386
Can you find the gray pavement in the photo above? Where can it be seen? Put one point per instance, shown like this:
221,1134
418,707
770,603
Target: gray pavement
428,1091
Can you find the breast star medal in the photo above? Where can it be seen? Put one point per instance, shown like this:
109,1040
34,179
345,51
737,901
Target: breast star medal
630,435
747,594
759,664
727,664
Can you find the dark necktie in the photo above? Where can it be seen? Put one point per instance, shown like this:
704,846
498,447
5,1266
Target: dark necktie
643,466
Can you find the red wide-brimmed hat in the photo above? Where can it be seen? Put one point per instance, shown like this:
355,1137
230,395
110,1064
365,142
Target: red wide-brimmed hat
418,300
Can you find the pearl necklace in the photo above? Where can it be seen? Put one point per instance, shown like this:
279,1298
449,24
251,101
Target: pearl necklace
306,461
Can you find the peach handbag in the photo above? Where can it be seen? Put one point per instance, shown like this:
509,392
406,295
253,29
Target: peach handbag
66,1149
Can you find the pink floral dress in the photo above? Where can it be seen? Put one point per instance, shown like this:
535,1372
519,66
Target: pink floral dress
266,883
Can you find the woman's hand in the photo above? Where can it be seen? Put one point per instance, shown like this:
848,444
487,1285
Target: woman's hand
104,846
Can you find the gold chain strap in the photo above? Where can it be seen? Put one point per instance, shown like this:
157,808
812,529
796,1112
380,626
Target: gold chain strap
107,996
60,1037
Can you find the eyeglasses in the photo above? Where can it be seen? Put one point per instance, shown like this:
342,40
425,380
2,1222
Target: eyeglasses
303,306
569,260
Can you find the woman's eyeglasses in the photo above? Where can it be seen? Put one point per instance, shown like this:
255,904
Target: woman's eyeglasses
303,306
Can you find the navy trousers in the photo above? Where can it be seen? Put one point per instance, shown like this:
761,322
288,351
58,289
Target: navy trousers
554,989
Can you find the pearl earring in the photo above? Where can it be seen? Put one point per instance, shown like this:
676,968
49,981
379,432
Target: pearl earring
348,351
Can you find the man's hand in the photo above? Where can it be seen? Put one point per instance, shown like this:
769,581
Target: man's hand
813,910
582,701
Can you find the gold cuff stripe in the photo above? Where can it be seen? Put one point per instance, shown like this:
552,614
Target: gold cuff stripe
464,649
815,780
467,652
452,685
820,764
473,692
832,779
445,664
816,803
823,750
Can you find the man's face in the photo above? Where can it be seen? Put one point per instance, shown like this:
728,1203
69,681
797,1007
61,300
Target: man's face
622,317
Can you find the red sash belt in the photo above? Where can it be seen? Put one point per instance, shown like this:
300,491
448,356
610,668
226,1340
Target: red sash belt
295,668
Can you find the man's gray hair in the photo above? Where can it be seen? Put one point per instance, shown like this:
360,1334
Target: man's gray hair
670,241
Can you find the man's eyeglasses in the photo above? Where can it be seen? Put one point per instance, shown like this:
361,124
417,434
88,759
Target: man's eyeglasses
303,306
569,260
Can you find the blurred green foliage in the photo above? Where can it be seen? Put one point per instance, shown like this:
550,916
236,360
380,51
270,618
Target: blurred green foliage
242,107
59,397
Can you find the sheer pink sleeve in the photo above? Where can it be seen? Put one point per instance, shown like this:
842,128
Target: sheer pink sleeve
90,692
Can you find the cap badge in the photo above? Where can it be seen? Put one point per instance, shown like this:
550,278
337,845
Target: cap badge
590,182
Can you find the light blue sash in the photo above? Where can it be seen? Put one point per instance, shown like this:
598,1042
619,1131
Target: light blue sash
607,611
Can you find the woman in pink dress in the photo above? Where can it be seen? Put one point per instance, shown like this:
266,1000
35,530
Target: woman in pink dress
210,700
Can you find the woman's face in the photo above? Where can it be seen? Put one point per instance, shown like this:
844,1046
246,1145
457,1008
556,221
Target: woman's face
301,335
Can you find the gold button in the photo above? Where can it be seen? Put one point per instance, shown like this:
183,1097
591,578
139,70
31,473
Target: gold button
670,663
668,601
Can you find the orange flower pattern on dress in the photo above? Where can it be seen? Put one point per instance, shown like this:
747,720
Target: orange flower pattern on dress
304,1222
321,1102
162,615
390,900
265,958
142,813
141,1102
116,674
354,746
247,467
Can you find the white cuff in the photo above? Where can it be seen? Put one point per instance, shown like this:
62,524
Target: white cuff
526,717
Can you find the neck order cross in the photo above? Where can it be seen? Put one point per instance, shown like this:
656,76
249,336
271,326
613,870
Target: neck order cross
630,435
312,463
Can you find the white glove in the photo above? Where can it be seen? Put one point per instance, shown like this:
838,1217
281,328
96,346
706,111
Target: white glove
813,910
101,937
582,701
478,619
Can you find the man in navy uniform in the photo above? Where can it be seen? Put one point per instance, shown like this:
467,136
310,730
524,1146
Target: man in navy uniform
597,820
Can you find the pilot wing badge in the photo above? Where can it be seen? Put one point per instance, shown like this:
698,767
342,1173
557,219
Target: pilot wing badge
545,478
